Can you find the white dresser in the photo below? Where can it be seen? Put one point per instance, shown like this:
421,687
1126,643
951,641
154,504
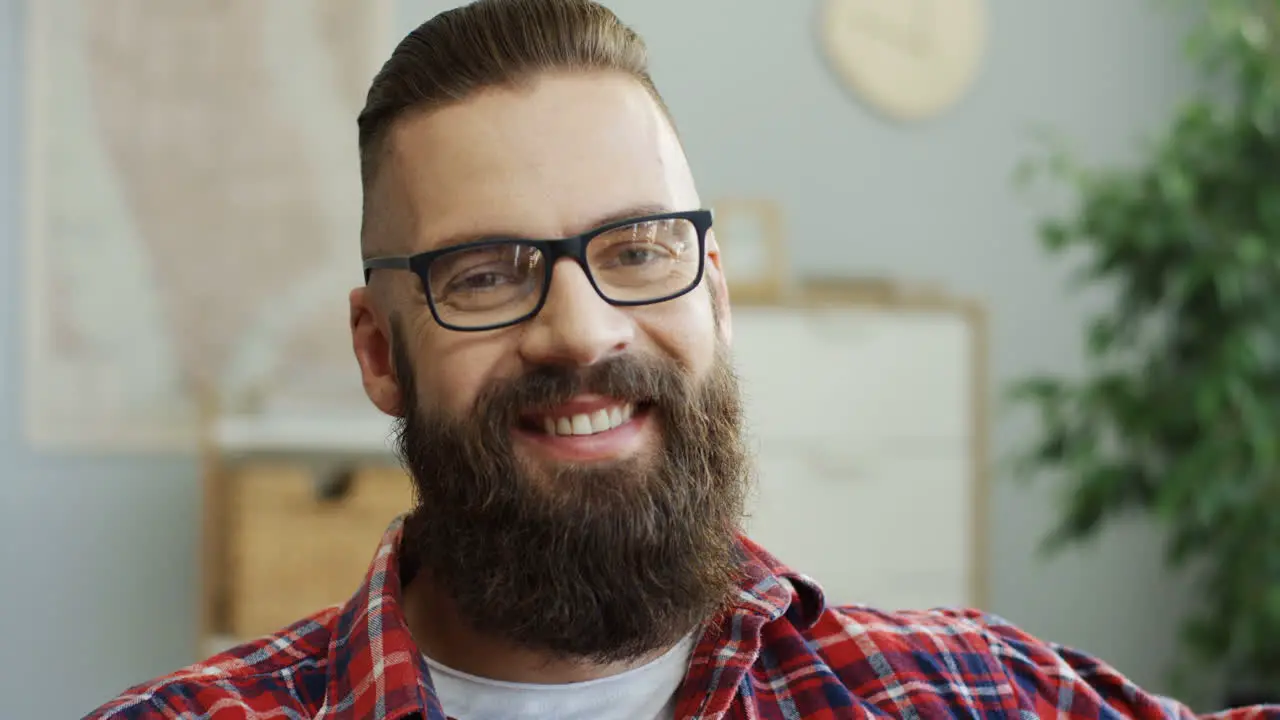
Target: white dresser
868,420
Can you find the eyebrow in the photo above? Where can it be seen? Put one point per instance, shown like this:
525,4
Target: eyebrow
627,213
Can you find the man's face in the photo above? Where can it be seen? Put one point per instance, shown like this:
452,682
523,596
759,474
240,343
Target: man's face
602,542
551,161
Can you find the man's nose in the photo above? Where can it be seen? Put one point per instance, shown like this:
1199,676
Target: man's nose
575,326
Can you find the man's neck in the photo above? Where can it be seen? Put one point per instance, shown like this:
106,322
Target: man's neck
442,635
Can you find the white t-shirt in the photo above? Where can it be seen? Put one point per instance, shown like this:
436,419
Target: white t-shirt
643,693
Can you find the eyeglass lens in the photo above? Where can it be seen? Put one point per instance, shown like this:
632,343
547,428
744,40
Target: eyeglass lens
496,283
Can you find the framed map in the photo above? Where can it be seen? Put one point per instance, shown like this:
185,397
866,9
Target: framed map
193,211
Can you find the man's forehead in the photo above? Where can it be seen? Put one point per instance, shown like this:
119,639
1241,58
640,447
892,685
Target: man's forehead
549,159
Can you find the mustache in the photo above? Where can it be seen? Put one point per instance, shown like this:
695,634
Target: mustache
629,378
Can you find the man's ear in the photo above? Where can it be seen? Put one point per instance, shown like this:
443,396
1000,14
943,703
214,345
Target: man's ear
371,340
719,287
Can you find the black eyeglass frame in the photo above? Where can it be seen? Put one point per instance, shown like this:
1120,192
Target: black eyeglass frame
552,251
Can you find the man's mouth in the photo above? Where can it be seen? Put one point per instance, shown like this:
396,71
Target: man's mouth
571,421
598,421
587,428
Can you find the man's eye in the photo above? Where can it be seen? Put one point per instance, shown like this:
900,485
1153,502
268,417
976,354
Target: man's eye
479,281
639,255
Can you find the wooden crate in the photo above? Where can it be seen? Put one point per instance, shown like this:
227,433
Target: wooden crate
290,551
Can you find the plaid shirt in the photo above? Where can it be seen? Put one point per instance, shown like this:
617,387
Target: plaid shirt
780,653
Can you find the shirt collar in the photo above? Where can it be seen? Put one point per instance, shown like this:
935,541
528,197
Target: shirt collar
771,589
376,669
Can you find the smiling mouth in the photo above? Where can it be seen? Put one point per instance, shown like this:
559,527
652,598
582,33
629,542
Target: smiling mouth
582,424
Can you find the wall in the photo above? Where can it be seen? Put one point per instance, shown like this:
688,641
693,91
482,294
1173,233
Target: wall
96,580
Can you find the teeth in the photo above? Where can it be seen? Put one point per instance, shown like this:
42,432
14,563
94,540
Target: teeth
599,421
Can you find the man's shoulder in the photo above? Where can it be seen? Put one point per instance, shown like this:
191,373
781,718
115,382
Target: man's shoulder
940,628
957,644
287,669
945,656
949,638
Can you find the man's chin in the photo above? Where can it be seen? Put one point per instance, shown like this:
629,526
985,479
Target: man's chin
633,438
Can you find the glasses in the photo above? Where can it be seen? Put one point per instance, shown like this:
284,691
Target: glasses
491,284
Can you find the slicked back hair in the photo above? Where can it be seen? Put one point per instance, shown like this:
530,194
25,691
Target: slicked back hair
487,44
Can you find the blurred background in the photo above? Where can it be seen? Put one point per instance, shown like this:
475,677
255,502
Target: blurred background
111,429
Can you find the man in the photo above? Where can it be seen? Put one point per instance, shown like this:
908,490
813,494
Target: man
546,312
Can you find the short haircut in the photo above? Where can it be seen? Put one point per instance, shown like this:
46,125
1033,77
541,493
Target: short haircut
487,44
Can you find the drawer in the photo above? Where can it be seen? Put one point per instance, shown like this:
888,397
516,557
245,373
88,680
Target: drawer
290,552
921,590
856,376
890,529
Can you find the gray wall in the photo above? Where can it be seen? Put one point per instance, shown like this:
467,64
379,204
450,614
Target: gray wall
96,575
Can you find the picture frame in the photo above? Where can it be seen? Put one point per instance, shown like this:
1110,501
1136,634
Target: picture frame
751,233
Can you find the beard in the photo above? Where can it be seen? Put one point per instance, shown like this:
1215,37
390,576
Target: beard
603,562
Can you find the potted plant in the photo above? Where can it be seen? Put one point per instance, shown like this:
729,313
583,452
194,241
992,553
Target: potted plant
1178,412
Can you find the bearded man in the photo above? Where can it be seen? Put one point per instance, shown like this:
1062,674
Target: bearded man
546,313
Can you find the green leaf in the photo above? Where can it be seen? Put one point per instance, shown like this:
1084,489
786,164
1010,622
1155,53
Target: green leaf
1252,250
1103,334
1056,235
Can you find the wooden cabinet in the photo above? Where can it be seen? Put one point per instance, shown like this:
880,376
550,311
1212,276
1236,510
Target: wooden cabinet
281,546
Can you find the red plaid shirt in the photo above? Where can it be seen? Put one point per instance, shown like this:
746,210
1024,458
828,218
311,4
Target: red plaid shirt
780,653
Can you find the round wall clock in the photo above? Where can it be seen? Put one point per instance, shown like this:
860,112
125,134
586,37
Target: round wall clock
909,59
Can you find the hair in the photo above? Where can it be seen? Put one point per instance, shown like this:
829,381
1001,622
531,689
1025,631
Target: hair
488,44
